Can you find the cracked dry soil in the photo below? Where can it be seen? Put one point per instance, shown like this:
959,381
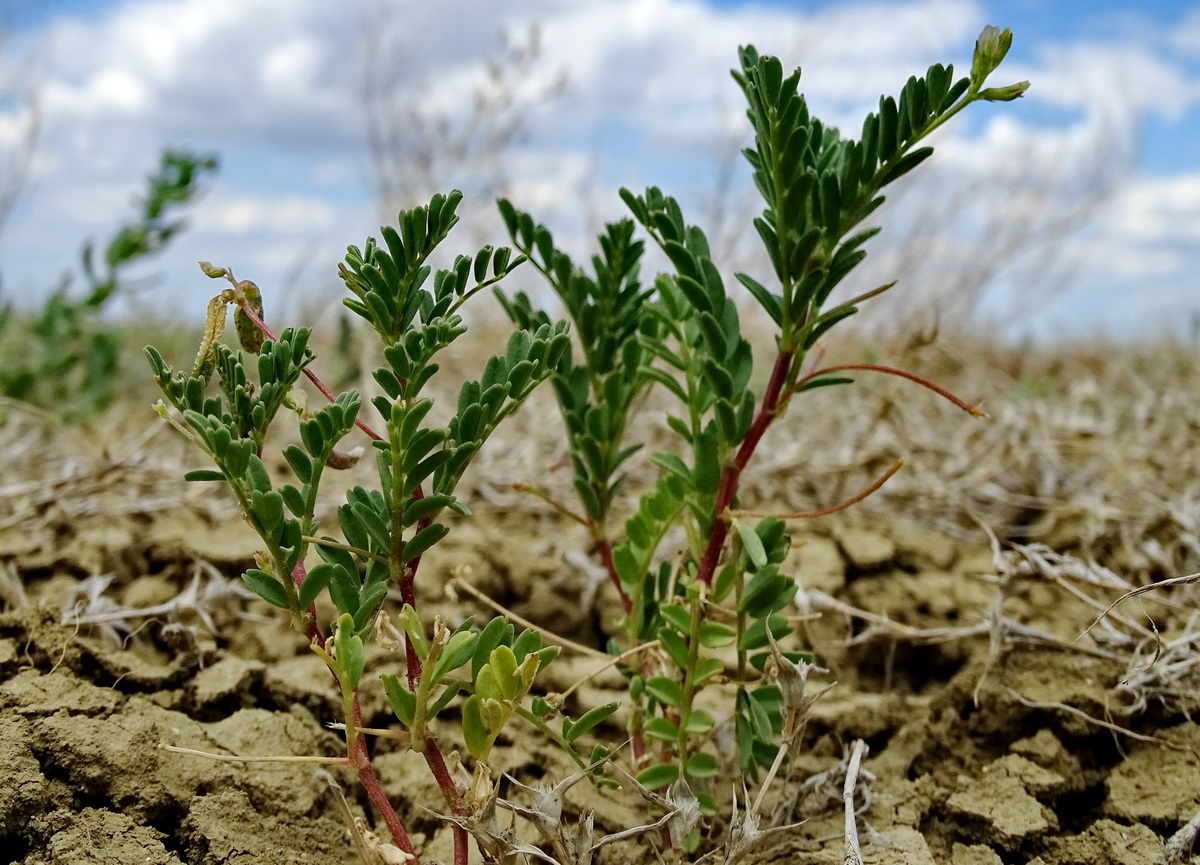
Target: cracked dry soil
970,761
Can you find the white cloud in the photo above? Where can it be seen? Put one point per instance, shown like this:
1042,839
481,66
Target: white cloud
272,85
1160,210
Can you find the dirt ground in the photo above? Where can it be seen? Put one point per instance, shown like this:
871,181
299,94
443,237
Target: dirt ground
997,730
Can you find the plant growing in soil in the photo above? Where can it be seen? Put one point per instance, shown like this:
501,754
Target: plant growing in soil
710,614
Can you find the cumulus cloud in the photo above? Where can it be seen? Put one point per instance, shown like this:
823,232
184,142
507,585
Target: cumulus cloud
274,87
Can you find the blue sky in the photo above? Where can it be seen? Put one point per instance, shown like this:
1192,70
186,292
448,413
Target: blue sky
1073,211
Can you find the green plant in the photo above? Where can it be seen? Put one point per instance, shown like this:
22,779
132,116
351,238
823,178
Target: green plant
711,614
63,359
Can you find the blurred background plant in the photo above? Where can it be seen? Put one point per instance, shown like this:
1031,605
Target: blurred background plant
64,359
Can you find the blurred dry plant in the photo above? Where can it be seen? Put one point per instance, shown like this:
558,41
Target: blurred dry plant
420,145
20,125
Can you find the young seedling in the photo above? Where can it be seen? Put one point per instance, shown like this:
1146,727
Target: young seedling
713,614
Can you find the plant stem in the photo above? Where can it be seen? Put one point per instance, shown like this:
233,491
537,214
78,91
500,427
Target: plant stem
972,410
360,758
832,509
773,400
311,630
604,551
451,793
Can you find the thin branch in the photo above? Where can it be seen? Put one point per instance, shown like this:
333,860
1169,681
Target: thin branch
233,758
832,509
550,636
358,551
1107,725
537,492
972,410
628,653
853,850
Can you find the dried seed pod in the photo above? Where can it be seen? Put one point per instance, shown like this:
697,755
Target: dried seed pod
249,333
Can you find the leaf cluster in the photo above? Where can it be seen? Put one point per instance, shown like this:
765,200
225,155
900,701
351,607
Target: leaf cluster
597,393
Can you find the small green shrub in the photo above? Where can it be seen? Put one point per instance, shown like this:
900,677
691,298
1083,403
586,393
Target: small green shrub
713,613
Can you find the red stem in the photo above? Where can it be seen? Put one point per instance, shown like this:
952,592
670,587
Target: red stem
311,631
972,410
732,473
604,551
370,781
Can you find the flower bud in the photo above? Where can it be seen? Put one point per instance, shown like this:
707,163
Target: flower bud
990,48
1005,94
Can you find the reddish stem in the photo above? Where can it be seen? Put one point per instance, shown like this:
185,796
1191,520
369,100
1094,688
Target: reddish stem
361,761
450,791
833,509
604,551
727,489
311,631
972,410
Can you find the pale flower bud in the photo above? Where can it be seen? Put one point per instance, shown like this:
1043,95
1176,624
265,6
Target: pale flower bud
990,48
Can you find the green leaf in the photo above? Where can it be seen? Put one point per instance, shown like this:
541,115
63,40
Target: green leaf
349,649
427,507
496,632
370,520
256,474
772,303
266,587
699,722
449,693
663,729
666,691
760,595
294,500
723,583
706,668
423,540
368,603
714,635
527,642
572,730
475,731
300,463
412,626
268,510
677,617
672,464
755,636
702,765
204,475
504,667
344,588
315,582
658,776
824,381
751,543
404,701
675,646
457,652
